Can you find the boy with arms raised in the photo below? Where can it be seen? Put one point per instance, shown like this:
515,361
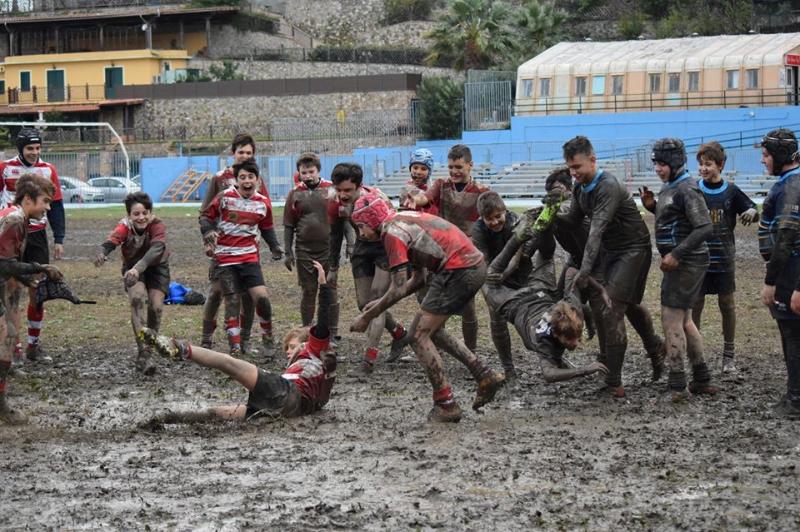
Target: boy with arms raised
31,201
232,224
145,268
427,243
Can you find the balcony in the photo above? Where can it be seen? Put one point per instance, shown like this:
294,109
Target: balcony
59,95
24,7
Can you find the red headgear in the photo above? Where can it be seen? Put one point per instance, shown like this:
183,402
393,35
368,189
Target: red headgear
371,210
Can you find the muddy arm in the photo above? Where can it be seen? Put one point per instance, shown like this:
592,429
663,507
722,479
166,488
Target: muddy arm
551,372
402,286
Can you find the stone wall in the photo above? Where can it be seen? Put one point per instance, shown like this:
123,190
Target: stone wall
307,69
228,41
336,21
204,117
409,34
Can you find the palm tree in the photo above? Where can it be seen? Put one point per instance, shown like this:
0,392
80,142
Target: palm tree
474,33
539,27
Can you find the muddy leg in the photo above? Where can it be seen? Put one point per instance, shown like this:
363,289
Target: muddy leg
790,339
616,343
263,307
137,296
445,407
469,326
727,307
599,310
308,303
7,343
13,317
246,317
369,289
697,310
673,321
502,342
155,308
210,309
642,322
232,325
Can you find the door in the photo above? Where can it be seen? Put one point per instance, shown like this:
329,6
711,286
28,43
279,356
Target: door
113,80
55,85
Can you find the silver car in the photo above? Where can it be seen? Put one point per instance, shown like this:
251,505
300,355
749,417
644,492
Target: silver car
115,188
76,191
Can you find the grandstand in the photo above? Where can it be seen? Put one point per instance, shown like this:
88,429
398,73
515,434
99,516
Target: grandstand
525,180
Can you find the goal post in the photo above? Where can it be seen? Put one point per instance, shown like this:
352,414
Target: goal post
41,124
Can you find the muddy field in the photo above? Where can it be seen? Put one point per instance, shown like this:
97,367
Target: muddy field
541,456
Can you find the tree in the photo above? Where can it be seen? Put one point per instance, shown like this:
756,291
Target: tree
227,72
442,100
403,10
474,33
538,27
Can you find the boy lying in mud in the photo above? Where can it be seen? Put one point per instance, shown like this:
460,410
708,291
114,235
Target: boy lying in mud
303,388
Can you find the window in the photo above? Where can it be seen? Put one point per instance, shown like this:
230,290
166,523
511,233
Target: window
694,81
527,88
598,84
616,84
580,86
2,87
544,87
733,79
674,83
655,83
25,81
752,78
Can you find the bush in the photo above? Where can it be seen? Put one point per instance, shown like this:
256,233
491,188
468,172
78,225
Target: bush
442,101
403,10
632,25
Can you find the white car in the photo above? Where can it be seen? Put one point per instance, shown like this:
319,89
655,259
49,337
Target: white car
76,191
115,188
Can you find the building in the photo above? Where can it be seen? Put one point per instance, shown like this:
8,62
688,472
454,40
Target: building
74,58
689,73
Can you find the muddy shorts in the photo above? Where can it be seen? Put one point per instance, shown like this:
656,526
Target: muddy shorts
307,273
36,249
238,278
450,291
680,288
625,274
154,277
273,396
722,283
366,257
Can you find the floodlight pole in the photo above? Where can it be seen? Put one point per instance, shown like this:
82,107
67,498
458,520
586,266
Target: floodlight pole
42,124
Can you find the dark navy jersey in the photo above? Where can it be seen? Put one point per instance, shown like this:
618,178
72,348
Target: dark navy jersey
779,240
679,211
725,202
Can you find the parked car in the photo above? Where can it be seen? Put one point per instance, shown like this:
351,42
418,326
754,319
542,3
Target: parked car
76,191
137,179
115,188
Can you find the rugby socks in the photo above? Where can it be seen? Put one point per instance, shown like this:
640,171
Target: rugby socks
266,327
234,332
444,397
398,332
35,319
728,351
371,354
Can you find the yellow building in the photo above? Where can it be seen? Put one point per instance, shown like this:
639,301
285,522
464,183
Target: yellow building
74,61
688,73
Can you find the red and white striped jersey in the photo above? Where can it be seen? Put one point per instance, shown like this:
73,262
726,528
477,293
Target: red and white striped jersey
307,373
11,170
239,222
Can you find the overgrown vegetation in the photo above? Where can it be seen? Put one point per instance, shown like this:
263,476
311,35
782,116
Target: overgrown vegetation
227,71
440,112
404,10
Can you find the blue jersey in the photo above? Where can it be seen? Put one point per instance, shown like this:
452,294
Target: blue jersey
725,202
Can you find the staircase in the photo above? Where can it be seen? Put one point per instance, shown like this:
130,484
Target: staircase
184,186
